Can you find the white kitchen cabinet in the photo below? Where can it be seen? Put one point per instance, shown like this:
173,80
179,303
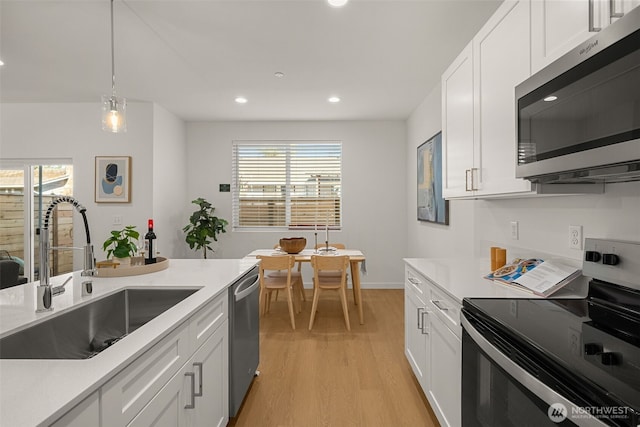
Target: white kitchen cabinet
156,388
501,61
432,345
457,126
86,413
197,395
557,26
416,327
478,107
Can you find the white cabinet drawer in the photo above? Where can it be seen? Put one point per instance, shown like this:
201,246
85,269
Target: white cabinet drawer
413,280
208,319
126,394
447,309
86,413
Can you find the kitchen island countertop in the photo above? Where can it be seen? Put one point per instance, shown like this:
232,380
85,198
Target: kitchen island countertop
39,391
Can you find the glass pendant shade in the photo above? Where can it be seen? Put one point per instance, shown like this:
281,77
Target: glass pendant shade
114,117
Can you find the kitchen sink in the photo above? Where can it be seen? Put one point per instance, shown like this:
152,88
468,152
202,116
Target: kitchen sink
87,330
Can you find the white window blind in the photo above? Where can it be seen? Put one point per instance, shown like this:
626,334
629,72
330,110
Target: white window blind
287,185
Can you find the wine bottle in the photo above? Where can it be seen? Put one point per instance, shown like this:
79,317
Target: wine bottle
149,238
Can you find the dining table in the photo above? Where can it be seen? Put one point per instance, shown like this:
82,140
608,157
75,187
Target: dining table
357,263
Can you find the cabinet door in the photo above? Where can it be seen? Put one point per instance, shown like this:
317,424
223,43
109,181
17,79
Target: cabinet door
210,365
501,60
558,26
445,373
166,409
457,125
416,335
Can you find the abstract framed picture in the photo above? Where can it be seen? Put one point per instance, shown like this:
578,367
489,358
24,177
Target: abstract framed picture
432,206
113,179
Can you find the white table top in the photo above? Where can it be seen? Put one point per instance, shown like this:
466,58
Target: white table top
306,254
37,392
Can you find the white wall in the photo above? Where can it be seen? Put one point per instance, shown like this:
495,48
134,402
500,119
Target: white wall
426,239
476,225
373,186
73,130
170,204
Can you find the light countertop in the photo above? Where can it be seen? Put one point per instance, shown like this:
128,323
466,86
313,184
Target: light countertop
464,278
37,392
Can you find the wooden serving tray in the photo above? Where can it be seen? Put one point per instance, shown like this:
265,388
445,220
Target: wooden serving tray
111,269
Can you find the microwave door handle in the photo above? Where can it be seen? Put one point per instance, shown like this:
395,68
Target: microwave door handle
592,28
538,388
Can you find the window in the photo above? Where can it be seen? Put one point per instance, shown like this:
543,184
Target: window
287,185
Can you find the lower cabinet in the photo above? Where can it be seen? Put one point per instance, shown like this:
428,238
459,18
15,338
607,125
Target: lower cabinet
433,346
196,395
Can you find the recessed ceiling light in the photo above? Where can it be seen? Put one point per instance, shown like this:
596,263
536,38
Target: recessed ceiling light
337,3
1,63
241,100
550,98
334,99
279,74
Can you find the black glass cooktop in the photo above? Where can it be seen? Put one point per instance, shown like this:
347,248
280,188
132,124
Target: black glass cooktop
589,338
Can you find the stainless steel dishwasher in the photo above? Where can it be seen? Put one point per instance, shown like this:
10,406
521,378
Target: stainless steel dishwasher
244,337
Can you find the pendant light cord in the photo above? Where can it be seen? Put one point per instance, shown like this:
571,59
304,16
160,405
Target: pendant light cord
113,61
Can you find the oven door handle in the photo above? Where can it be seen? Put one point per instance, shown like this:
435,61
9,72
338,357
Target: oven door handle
544,392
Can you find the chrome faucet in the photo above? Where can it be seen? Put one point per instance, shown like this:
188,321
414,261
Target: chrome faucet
45,291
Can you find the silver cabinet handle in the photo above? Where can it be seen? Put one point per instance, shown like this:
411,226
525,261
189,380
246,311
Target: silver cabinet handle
473,183
414,281
193,390
424,323
198,365
466,180
438,304
419,316
592,28
612,10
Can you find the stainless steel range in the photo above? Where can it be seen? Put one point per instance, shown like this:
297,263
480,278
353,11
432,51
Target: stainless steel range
543,362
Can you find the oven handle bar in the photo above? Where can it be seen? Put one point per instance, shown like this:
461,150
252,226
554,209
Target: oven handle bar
548,395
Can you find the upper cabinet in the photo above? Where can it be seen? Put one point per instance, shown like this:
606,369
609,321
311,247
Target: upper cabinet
478,110
457,126
557,26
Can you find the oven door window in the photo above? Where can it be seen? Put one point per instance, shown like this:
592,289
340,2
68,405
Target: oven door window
492,398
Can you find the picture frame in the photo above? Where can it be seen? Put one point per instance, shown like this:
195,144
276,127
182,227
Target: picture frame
432,207
113,179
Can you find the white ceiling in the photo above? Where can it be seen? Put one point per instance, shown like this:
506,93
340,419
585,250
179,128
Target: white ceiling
193,57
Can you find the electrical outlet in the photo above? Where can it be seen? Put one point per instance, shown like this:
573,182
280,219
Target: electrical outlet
575,237
514,230
117,220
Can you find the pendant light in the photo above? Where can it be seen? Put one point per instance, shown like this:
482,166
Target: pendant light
114,117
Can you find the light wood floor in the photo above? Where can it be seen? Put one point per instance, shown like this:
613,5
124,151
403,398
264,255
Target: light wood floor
331,377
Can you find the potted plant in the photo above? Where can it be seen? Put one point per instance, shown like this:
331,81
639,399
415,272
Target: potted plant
122,244
203,225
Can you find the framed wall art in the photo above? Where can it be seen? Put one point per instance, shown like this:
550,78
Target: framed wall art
432,206
113,179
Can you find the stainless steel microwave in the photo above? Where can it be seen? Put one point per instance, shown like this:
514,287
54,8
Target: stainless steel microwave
578,119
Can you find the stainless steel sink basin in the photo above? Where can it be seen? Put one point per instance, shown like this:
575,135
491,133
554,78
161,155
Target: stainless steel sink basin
85,331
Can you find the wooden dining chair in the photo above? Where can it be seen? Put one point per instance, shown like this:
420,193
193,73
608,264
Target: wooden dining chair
285,282
336,273
325,263
296,274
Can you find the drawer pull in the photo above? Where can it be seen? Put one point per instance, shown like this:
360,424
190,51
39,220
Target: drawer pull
414,281
193,390
419,316
198,365
424,323
438,304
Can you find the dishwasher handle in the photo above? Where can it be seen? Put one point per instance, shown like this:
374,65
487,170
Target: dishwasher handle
247,287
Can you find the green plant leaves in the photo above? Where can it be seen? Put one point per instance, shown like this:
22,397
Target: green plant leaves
121,242
203,226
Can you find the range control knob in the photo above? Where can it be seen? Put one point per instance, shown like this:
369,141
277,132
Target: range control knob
610,259
591,349
592,256
609,359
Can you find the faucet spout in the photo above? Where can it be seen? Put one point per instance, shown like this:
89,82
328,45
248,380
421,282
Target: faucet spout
44,301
